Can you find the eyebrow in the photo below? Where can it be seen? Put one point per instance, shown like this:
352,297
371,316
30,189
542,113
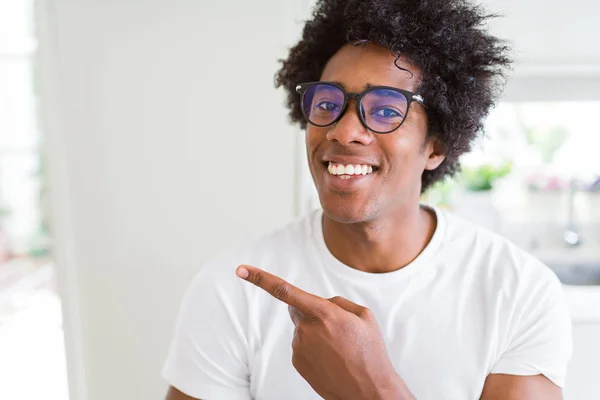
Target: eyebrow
367,86
339,83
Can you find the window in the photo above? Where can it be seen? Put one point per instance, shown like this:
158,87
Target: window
534,177
33,362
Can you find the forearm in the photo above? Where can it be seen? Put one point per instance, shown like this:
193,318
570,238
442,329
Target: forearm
394,389
391,387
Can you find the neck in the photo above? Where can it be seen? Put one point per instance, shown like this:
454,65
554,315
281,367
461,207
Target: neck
384,244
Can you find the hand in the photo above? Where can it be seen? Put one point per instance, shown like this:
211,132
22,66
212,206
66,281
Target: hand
337,344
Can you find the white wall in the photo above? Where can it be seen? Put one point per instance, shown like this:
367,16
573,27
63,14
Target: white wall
167,142
584,369
549,32
555,48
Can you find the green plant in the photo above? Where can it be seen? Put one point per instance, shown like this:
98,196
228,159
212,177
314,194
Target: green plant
4,212
482,178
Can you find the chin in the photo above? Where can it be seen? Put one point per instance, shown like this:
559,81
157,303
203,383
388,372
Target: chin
346,211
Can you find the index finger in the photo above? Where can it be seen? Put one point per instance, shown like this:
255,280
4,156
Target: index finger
305,302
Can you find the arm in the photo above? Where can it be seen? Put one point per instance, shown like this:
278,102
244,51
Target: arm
535,352
175,394
513,387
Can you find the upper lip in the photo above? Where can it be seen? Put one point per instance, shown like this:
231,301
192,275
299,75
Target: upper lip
347,160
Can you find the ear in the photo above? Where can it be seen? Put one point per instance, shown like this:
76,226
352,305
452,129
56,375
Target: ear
435,154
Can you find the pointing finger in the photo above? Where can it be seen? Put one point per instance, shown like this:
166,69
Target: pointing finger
307,303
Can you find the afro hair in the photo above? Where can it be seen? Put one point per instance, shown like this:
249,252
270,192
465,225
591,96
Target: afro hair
462,65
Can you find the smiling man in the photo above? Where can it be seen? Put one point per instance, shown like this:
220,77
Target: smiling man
377,296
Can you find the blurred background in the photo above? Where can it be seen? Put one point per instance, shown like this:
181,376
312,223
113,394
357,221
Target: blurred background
126,162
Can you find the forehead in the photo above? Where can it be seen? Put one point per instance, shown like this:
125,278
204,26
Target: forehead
358,66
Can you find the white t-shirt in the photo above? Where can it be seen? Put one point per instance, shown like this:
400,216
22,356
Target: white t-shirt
469,305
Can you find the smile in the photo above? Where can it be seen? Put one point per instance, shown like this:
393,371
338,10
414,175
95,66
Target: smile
347,171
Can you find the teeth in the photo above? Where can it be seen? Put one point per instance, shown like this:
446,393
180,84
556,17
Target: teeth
345,171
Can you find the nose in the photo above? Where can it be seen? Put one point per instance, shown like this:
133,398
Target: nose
350,129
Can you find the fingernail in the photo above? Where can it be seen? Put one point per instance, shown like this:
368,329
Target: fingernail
242,272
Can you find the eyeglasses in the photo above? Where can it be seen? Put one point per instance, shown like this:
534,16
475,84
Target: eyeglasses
381,109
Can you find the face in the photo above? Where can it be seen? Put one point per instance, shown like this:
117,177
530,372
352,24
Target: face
396,160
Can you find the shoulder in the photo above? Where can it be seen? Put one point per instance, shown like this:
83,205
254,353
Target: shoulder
216,286
522,299
274,251
495,259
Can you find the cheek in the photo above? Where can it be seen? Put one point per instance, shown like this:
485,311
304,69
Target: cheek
405,156
402,149
314,137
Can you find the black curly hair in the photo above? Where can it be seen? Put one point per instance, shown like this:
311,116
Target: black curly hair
462,65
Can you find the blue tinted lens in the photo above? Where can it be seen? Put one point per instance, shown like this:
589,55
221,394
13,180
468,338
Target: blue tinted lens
322,104
383,109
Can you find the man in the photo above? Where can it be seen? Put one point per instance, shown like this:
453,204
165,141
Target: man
397,300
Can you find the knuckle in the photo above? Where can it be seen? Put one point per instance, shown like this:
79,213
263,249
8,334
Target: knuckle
256,279
281,291
365,313
330,322
325,315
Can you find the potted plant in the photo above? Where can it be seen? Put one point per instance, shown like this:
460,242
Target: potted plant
475,200
482,178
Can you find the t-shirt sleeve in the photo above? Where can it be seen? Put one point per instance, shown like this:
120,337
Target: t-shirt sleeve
539,338
208,355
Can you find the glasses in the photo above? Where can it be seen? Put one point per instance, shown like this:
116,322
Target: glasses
381,109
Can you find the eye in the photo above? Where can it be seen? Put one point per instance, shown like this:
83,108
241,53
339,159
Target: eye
327,106
386,113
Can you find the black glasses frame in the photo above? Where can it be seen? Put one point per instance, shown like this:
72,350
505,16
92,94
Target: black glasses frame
411,97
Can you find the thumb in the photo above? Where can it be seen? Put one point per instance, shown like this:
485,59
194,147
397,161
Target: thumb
349,306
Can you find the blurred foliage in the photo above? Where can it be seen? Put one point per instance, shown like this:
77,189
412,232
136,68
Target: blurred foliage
482,178
39,243
440,194
547,141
